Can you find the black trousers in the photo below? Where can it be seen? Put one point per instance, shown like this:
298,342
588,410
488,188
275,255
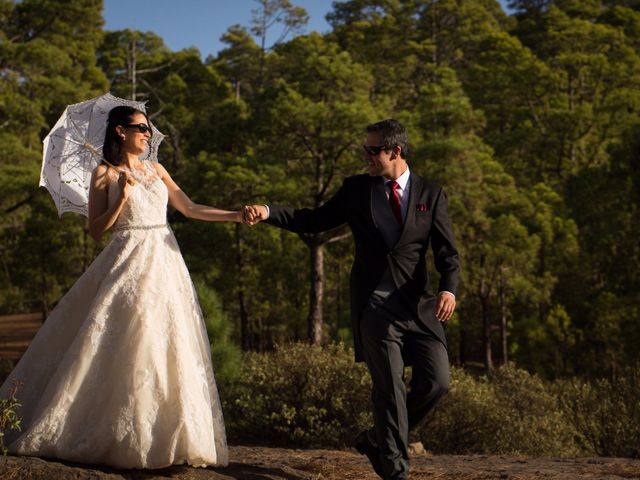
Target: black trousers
393,337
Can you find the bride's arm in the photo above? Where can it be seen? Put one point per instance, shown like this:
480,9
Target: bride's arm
181,202
101,216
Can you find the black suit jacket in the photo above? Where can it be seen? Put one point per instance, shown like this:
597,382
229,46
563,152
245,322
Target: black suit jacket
427,223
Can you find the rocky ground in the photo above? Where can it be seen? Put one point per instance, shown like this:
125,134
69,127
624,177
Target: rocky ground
261,463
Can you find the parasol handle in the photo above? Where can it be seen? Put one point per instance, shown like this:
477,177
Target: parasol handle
97,153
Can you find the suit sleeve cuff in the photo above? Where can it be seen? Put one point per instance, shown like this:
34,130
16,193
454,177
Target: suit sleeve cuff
268,211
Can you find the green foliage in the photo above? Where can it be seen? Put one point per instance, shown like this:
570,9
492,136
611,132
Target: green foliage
298,395
9,419
48,61
318,107
606,412
225,355
529,122
270,12
591,94
308,396
511,412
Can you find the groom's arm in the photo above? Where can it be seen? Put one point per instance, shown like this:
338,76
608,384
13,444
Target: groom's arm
305,220
445,253
445,257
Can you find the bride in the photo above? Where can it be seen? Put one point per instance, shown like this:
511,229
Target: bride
120,373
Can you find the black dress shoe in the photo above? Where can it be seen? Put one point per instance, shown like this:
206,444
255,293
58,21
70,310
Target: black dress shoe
365,447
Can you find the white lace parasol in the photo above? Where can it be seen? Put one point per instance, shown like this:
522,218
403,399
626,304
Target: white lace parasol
73,149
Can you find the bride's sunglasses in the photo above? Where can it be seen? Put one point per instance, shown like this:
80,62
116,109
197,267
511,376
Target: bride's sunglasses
142,127
374,149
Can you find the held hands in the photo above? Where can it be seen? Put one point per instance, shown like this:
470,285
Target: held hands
445,306
252,214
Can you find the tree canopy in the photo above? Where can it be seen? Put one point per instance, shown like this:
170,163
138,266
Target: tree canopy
529,121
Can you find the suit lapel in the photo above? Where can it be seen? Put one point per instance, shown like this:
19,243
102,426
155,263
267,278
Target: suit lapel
376,183
372,189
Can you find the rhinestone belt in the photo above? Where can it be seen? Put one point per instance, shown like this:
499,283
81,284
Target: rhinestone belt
139,227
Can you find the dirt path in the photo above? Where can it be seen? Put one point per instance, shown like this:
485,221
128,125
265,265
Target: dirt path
261,463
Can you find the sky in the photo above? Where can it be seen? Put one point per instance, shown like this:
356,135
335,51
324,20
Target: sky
200,23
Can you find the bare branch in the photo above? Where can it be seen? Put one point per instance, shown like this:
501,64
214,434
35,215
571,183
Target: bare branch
308,145
337,238
157,112
156,69
332,169
19,204
155,94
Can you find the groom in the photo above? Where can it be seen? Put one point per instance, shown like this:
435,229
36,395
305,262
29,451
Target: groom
394,215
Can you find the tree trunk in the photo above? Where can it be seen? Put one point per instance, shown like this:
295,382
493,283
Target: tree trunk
486,334
503,337
316,294
245,327
174,136
43,283
338,293
462,347
131,66
503,323
484,294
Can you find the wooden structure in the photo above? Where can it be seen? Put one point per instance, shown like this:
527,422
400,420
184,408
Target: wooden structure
16,333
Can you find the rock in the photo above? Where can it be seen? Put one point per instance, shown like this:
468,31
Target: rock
32,468
417,449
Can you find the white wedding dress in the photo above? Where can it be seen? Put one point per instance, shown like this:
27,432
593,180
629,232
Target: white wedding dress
120,373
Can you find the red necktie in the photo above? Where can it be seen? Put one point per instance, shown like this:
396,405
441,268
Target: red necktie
394,200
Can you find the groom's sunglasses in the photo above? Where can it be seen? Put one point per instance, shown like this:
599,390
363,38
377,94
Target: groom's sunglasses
375,149
142,127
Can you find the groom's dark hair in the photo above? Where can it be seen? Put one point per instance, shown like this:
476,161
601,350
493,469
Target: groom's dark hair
392,133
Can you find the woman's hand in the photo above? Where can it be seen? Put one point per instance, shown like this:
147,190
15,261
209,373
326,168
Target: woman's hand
125,182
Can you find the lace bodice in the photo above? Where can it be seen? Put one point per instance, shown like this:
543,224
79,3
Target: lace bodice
147,202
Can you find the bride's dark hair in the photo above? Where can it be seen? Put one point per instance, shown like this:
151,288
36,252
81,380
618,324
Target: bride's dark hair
121,115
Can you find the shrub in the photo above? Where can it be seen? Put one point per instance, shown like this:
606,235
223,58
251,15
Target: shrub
300,396
605,412
225,355
305,396
465,420
511,412
9,419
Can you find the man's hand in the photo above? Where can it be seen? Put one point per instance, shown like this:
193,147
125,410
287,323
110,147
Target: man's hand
252,214
445,306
